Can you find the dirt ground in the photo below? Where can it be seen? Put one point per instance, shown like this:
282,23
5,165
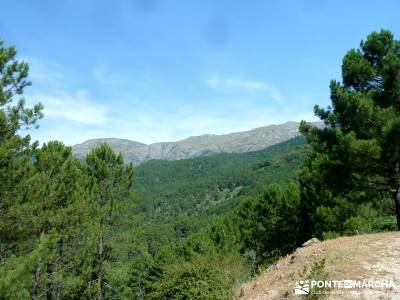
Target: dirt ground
363,257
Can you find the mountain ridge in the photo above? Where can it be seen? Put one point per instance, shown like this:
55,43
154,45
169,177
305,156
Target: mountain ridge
237,142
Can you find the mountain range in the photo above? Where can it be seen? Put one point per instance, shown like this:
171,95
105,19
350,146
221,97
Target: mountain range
194,146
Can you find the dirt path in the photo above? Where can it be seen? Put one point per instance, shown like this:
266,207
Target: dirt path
364,257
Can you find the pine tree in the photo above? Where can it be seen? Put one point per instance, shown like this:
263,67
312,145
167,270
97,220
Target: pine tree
58,215
60,191
355,157
15,151
15,169
112,182
269,226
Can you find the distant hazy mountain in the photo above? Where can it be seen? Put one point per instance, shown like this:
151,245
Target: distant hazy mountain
238,142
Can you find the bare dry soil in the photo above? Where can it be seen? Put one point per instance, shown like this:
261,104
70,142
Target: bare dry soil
362,257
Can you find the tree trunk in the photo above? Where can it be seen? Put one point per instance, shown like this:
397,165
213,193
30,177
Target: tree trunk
100,277
397,204
49,275
35,287
60,268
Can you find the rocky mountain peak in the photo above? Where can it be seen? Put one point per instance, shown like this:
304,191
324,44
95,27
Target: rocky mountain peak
207,144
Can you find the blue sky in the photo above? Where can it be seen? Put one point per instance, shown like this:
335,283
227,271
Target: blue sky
162,70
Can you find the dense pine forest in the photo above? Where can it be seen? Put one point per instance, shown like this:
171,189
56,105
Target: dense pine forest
97,228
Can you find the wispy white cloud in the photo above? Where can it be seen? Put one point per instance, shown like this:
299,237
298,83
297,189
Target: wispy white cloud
73,116
217,81
103,75
149,123
76,107
154,124
43,70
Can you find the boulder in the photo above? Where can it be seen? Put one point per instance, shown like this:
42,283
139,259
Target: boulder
311,242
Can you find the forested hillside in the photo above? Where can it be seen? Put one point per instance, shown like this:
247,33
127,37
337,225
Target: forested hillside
175,199
98,228
195,218
206,184
94,228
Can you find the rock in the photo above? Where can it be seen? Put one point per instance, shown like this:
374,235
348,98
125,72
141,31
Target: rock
238,142
311,242
273,267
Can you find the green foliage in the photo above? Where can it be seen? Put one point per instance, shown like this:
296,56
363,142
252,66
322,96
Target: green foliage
316,272
192,281
15,151
111,184
54,209
383,224
195,228
177,199
54,223
202,277
182,225
61,199
361,225
16,271
213,184
354,163
270,225
327,235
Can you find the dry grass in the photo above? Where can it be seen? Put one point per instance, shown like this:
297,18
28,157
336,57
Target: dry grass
374,256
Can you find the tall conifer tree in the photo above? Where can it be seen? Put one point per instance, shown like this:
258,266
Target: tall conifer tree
112,182
356,156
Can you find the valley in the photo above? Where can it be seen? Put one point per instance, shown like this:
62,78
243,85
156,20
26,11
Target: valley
257,214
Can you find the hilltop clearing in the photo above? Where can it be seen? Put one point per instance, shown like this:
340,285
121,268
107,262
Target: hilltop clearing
364,257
